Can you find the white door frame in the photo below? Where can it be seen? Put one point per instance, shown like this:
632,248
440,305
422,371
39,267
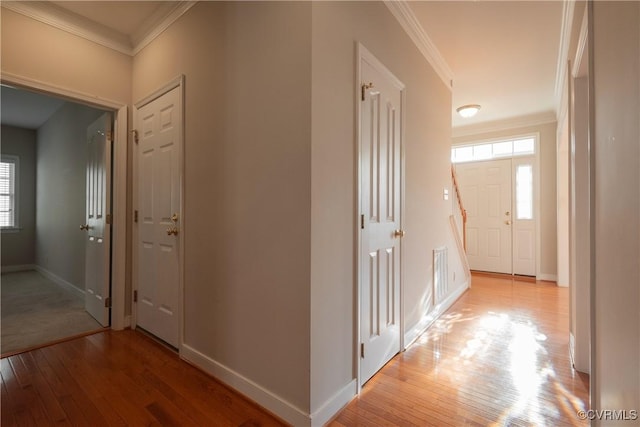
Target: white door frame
536,186
363,53
177,82
119,320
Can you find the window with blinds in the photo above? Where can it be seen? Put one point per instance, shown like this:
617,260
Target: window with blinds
8,186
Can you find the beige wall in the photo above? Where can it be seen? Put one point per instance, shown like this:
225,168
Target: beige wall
18,247
337,27
36,51
616,109
548,239
61,192
247,184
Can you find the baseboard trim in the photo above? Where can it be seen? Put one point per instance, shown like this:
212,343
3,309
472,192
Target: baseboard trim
17,268
547,277
60,281
263,397
427,320
332,406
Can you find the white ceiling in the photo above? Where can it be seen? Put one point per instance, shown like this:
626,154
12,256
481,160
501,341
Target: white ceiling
503,54
24,109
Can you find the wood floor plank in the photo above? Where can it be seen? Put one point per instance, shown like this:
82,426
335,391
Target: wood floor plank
499,356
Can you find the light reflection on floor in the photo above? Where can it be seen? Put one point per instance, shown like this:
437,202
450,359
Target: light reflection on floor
531,392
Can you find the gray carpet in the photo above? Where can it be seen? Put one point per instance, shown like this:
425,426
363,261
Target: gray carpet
36,311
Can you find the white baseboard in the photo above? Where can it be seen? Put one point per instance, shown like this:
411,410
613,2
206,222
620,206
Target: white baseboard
60,281
334,404
17,268
426,321
263,397
547,277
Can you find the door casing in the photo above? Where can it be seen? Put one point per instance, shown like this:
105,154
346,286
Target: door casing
119,319
363,53
177,82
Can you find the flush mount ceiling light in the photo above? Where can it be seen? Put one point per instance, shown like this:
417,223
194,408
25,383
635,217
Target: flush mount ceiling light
467,111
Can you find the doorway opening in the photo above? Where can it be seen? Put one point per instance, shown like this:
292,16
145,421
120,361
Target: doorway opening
498,183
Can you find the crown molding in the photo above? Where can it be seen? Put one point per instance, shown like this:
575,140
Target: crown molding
159,22
503,125
568,8
87,29
401,10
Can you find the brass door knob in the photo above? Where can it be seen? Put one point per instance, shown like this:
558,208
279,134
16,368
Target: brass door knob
172,231
84,227
399,233
508,222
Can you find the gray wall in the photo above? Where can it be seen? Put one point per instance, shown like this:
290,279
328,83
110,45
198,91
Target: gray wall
615,370
18,247
61,192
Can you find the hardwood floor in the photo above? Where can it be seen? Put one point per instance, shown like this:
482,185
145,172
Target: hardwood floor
499,356
117,378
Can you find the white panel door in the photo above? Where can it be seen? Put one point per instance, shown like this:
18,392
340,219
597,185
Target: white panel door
98,206
159,125
524,222
486,193
381,180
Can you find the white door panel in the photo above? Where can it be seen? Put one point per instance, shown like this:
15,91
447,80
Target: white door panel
486,193
380,167
97,208
499,197
159,201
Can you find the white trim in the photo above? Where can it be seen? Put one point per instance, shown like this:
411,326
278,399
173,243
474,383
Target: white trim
87,29
547,277
332,406
263,397
427,320
119,183
142,39
401,10
505,125
581,49
58,91
60,281
176,82
563,50
363,54
17,268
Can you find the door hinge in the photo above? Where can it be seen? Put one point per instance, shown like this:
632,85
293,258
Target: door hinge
135,296
135,216
108,220
135,135
107,302
362,222
109,136
364,88
362,350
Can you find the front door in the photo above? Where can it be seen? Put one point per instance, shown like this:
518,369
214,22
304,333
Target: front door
159,126
97,225
380,191
486,193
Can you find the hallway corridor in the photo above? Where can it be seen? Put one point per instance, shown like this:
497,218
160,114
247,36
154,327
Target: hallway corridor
499,356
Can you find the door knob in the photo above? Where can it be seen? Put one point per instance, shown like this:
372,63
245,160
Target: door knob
507,213
399,233
508,222
174,217
84,227
172,231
